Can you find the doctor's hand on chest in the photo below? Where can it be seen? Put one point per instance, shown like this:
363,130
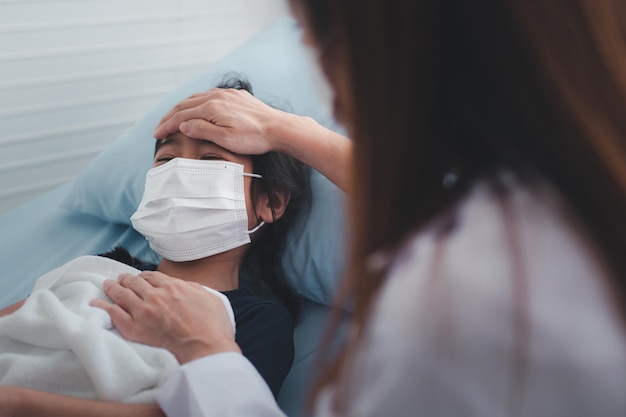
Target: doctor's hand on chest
180,316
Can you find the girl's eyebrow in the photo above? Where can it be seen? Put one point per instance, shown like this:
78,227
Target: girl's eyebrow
208,143
174,140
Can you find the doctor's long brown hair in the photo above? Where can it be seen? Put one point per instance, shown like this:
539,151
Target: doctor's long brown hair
534,86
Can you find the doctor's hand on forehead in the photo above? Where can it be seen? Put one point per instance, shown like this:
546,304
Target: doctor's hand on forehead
180,316
243,124
233,119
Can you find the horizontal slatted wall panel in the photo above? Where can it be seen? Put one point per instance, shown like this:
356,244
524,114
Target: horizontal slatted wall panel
75,74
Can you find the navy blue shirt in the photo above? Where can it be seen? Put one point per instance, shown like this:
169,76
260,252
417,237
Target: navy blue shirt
264,334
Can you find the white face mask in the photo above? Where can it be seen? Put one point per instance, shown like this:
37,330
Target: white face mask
192,209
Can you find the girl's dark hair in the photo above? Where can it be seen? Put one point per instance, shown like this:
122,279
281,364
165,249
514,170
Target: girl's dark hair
281,174
535,87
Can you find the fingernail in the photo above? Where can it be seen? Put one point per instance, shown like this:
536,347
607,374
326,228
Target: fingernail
184,127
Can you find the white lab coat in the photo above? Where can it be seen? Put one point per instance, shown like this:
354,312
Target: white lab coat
466,325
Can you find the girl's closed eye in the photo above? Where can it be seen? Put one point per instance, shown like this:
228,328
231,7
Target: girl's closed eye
212,157
160,160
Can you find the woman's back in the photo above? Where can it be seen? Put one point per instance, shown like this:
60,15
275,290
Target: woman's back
467,325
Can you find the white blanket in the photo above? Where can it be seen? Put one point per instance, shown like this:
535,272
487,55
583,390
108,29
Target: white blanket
57,342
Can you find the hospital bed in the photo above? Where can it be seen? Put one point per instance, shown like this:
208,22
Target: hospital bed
90,215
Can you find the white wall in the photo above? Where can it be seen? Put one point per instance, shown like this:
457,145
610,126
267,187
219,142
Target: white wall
74,74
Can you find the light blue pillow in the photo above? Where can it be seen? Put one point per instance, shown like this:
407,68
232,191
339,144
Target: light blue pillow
276,65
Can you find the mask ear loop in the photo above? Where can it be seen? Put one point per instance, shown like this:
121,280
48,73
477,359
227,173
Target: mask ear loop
256,228
262,221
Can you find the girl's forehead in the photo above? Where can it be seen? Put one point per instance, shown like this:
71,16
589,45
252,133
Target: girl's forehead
180,139
180,142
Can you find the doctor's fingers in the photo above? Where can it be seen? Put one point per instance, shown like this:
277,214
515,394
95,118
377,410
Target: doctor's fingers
141,284
137,298
222,96
124,297
170,122
119,317
211,106
157,279
189,102
127,325
207,112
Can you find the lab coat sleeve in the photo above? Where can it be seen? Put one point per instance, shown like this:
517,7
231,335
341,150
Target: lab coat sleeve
224,384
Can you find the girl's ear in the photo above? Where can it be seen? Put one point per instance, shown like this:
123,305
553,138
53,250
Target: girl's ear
264,207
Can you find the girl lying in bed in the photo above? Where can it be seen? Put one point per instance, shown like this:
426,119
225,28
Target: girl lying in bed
201,208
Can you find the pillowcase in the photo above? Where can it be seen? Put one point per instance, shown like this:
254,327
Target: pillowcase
282,74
